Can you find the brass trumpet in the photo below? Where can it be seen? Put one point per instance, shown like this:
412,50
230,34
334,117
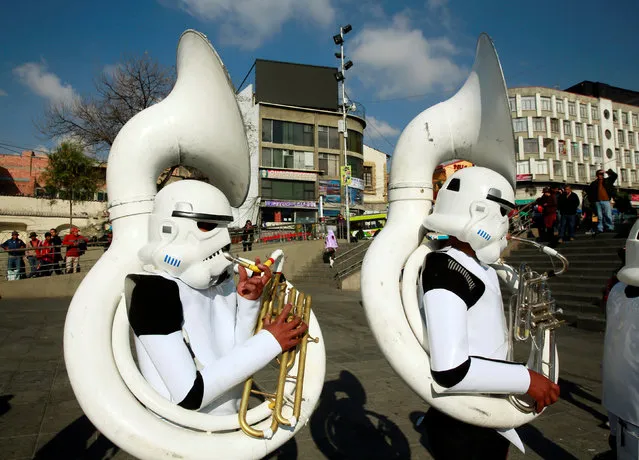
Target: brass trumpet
277,294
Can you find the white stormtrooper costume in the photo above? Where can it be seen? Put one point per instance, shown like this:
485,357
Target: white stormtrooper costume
193,332
462,303
621,352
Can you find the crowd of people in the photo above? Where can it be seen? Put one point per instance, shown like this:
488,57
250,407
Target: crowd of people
44,257
560,211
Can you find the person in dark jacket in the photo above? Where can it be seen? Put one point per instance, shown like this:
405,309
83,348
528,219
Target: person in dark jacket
247,236
548,203
600,191
568,204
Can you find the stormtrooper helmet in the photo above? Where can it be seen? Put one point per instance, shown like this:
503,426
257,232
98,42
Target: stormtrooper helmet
473,206
629,274
188,230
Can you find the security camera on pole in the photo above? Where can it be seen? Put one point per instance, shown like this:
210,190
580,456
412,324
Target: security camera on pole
340,77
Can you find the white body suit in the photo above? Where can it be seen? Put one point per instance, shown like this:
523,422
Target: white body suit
218,325
621,368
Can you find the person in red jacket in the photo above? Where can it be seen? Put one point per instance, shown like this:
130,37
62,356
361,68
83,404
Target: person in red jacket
76,245
46,254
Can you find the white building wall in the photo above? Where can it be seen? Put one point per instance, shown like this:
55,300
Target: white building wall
379,198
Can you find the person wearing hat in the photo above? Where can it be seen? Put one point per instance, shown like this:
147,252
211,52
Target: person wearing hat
32,255
600,191
15,249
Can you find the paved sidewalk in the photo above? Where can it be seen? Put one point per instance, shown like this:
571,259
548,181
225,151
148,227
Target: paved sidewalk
366,411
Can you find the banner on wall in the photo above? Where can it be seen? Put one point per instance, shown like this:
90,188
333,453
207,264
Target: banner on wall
345,175
331,190
288,175
290,204
357,183
524,177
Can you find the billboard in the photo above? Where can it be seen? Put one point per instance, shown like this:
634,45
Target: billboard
298,85
331,190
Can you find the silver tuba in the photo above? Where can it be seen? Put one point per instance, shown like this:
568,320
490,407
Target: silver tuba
475,125
198,124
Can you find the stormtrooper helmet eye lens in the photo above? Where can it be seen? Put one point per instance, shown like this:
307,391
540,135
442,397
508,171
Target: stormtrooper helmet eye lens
206,226
503,211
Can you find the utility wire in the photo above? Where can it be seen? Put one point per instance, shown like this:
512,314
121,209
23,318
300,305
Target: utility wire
8,144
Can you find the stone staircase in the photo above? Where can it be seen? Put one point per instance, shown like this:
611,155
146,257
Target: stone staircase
316,271
578,292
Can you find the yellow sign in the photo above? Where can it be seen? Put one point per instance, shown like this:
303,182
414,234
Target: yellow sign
345,175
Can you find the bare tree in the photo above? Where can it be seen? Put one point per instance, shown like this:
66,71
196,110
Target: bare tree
94,121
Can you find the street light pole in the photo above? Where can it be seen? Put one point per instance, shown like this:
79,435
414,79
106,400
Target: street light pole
345,135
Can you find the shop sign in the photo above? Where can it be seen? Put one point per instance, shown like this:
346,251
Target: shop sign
288,175
290,204
357,183
524,177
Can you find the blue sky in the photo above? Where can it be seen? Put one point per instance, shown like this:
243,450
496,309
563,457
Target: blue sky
408,55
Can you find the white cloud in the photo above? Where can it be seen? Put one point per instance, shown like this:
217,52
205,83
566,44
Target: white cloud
380,128
3,92
44,83
439,8
398,60
247,23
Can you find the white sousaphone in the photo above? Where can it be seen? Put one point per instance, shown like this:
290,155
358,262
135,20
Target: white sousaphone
475,125
198,124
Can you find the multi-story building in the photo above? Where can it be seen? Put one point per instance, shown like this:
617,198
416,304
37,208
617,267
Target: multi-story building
296,131
375,197
565,136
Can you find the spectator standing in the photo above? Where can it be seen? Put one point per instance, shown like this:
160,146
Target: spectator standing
15,249
46,256
600,192
330,248
76,245
548,203
31,253
56,241
567,205
248,231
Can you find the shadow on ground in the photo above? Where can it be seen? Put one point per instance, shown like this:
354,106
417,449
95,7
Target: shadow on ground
74,442
342,428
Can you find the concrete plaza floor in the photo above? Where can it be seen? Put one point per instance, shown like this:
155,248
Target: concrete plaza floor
366,411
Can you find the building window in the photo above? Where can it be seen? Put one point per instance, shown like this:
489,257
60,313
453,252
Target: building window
285,132
634,119
637,158
327,137
562,148
614,116
586,149
572,109
542,167
539,124
620,136
556,166
281,158
567,130
626,156
523,167
624,175
357,166
288,190
583,111
597,152
368,179
102,196
631,138
593,171
531,146
355,142
520,125
545,104
591,131
512,101
560,106
581,170
528,103
579,130
329,163
594,112
570,169
624,118
633,176
554,125
575,148
549,145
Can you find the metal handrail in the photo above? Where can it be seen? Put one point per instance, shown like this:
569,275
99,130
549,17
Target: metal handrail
358,246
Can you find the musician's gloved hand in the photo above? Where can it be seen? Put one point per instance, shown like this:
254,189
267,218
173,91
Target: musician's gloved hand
251,288
542,390
287,333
